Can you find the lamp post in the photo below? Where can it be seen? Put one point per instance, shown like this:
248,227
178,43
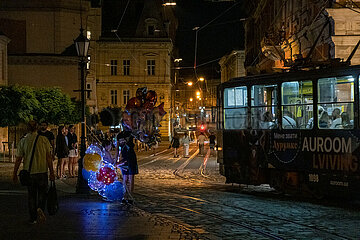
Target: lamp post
82,47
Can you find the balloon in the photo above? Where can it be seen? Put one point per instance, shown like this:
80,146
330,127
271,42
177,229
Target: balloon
92,162
106,175
113,192
151,96
85,174
134,102
93,183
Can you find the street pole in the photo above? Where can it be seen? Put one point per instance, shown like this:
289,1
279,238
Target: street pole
82,186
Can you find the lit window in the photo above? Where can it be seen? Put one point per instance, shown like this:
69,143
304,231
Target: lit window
88,34
150,67
126,67
113,67
126,94
113,94
88,92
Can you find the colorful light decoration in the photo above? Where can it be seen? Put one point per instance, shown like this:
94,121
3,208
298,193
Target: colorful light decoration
104,179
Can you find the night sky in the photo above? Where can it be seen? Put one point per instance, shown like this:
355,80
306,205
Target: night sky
220,37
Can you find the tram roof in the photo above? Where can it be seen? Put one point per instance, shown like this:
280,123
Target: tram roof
295,75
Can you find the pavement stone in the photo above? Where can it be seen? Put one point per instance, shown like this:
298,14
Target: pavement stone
83,217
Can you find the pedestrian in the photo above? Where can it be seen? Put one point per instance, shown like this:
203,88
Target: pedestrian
73,150
36,149
43,131
186,143
212,141
62,151
175,143
107,145
201,142
126,157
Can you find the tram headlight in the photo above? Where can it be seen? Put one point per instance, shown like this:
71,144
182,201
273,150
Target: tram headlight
217,148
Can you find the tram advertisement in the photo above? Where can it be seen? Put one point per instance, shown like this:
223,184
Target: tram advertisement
333,151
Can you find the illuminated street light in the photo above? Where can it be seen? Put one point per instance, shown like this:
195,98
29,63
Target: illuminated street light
190,83
198,96
197,93
169,4
201,79
191,99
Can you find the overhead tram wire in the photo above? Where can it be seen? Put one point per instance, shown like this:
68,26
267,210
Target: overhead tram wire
202,27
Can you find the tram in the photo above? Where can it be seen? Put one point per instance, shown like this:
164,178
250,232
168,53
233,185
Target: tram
296,130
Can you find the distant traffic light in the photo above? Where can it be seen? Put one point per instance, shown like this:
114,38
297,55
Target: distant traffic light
202,127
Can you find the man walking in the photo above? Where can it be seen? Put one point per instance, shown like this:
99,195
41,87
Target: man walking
43,131
201,142
41,162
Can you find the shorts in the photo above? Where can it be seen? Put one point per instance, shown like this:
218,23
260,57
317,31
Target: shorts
73,153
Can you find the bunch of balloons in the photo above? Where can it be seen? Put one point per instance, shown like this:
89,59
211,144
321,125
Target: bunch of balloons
142,118
101,176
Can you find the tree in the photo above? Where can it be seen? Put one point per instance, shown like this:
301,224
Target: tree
17,104
55,106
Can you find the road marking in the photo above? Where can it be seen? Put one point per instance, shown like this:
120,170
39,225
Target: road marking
182,166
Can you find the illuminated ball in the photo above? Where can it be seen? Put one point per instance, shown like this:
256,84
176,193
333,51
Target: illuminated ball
85,174
106,175
93,183
92,162
113,192
93,148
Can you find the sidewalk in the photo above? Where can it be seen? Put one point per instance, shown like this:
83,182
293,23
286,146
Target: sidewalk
82,217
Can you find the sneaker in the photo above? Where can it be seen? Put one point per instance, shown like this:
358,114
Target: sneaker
40,215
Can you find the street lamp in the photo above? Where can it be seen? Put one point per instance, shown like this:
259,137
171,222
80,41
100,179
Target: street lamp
201,79
190,84
82,47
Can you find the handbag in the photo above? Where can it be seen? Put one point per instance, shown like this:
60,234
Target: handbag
52,200
24,175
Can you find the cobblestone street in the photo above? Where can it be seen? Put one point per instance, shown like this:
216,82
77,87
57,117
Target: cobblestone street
182,198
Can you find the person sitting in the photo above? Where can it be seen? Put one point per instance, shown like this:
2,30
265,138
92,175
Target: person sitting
267,122
336,119
324,120
345,121
310,123
287,121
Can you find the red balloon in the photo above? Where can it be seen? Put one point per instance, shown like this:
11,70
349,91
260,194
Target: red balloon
151,96
106,175
133,103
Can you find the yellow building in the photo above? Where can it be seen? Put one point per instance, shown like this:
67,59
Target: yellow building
3,81
136,52
129,65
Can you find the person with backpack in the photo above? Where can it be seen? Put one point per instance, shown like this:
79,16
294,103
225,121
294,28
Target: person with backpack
35,152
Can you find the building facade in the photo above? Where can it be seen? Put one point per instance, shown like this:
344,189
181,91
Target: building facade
4,41
281,33
232,65
136,52
42,51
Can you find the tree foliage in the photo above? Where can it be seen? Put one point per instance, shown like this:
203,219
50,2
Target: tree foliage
21,104
17,104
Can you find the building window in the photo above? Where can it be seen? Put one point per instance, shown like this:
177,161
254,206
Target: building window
126,94
113,94
88,35
113,67
151,30
126,67
88,92
150,67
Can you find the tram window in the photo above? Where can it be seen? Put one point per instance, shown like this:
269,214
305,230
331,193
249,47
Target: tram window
336,99
296,105
263,106
235,108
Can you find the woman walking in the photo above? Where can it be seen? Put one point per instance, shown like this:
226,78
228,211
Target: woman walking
73,153
175,143
127,162
186,143
62,151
